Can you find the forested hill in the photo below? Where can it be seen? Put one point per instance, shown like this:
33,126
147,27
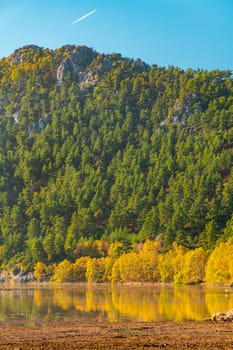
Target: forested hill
96,146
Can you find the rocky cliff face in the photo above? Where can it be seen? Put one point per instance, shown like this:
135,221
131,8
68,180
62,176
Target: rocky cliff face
81,63
25,54
75,63
88,67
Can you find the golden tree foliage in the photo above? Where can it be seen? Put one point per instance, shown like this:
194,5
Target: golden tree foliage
81,249
194,266
166,266
63,272
116,275
40,270
99,248
145,263
129,267
219,267
171,264
114,248
80,269
109,261
148,261
138,267
179,262
96,269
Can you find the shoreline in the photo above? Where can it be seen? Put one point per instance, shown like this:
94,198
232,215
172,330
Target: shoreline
104,335
37,284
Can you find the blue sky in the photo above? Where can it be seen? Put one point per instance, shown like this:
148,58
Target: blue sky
183,33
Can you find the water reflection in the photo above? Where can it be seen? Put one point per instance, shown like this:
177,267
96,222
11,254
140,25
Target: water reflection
112,303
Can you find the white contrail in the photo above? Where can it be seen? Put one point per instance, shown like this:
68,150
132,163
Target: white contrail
83,17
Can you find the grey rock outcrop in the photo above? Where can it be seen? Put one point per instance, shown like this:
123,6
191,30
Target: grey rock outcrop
24,54
87,67
186,107
75,63
40,125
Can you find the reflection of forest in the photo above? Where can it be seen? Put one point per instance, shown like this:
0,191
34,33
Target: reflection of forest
185,303
222,301
112,303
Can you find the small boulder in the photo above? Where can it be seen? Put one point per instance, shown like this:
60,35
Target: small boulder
223,316
229,316
218,316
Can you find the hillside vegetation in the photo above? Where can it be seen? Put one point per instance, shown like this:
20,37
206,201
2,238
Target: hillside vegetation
100,148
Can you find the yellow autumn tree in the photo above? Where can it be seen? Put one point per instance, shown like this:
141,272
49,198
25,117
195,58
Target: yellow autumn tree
96,270
219,267
148,262
140,265
81,249
194,266
40,271
99,248
109,261
114,249
80,269
166,266
63,272
179,258
129,267
116,274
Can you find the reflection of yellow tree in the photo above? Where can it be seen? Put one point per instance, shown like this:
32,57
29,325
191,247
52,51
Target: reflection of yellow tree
218,301
38,299
119,302
138,305
182,303
80,302
101,300
98,300
63,299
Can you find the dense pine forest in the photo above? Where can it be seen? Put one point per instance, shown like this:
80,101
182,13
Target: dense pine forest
104,157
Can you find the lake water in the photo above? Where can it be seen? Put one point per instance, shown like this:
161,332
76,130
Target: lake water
80,302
